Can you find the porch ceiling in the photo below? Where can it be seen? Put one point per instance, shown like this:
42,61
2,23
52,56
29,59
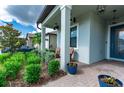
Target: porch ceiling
83,9
53,20
78,10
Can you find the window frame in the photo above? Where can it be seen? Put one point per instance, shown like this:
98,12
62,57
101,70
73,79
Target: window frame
77,25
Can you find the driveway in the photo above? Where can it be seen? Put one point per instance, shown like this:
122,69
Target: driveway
87,74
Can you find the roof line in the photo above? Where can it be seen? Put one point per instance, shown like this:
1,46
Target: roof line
46,11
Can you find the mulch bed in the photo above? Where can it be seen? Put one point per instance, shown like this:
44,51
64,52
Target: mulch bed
44,79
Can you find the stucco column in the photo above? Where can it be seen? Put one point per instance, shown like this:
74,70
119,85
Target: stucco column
65,36
43,38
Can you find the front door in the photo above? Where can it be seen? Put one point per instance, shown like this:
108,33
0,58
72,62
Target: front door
117,42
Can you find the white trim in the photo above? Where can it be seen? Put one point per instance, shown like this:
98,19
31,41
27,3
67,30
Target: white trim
51,14
77,24
108,41
68,6
121,23
116,59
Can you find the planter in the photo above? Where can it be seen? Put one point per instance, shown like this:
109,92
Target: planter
72,67
104,84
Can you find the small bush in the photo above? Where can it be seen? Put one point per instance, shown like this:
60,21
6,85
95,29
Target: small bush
32,73
49,56
18,57
33,60
29,54
53,67
3,81
12,68
4,56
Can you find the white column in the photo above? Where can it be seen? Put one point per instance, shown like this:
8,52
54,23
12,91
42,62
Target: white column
43,38
65,36
58,38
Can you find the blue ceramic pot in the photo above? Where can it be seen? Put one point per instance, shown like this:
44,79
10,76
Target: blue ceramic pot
103,84
72,69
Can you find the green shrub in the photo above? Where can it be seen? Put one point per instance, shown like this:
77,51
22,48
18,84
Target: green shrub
29,54
33,60
19,56
4,56
53,67
3,81
32,73
49,56
13,64
12,68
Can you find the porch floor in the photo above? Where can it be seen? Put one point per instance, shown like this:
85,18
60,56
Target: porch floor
87,74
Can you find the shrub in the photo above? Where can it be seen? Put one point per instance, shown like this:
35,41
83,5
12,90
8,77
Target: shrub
13,64
49,56
32,73
19,56
4,56
33,60
2,76
53,67
28,54
12,68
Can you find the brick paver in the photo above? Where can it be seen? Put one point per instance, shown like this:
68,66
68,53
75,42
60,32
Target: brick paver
87,74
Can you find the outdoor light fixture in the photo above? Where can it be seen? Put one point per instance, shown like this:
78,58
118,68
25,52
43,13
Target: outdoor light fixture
114,18
56,26
73,19
100,9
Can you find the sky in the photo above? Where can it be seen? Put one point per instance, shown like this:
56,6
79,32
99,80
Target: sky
23,17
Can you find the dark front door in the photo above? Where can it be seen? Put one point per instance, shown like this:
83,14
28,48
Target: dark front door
117,42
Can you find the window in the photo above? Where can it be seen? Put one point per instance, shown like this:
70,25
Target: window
73,37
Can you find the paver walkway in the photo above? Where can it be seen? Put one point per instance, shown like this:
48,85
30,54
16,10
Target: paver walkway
87,74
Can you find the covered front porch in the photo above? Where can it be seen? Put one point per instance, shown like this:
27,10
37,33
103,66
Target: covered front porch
84,29
87,75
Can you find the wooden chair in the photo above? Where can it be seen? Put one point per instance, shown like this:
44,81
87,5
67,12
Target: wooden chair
57,53
71,53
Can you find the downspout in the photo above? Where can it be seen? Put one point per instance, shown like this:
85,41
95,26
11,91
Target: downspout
41,33
38,26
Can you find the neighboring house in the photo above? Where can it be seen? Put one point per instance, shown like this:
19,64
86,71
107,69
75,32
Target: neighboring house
1,34
51,40
93,31
29,37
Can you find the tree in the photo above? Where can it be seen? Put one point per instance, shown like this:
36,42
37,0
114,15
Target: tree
37,38
10,37
20,42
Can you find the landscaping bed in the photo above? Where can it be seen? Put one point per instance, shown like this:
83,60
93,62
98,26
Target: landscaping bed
44,79
28,69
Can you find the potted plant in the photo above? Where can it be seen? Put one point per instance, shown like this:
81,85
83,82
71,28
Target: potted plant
108,81
72,67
